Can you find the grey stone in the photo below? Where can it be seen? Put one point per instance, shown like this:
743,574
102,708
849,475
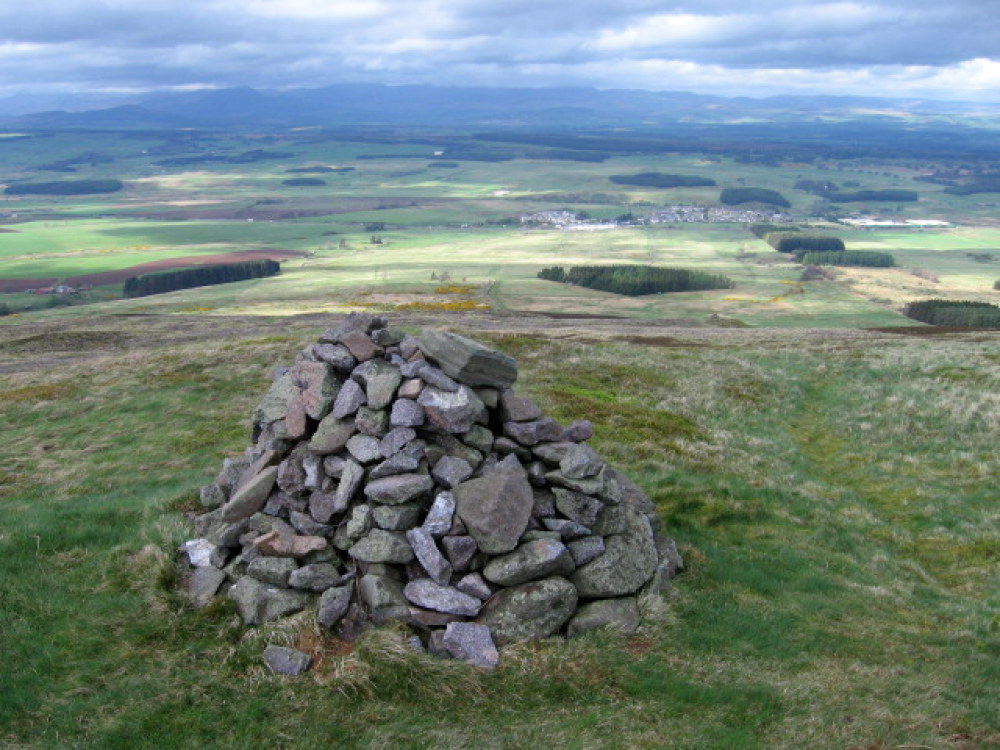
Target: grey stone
515,408
467,641
412,369
204,585
429,556
395,439
305,524
450,445
408,346
613,519
350,398
532,610
318,386
274,405
333,466
495,509
578,507
468,361
381,546
381,381
552,453
337,355
364,448
258,602
291,477
435,377
581,461
312,466
460,551
425,593
250,498
567,529
440,517
372,422
212,496
451,471
383,596
286,661
617,614
317,577
541,558
396,517
323,506
453,411
668,553
479,437
272,570
588,486
350,481
232,470
202,553
533,534
406,413
399,488
388,336
629,561
543,504
585,549
353,321
578,431
531,433
331,435
333,605
403,462
359,523
474,585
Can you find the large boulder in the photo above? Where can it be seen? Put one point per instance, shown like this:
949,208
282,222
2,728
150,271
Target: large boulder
468,361
531,610
495,509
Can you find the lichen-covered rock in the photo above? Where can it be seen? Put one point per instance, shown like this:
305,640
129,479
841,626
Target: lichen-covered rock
532,610
495,509
258,602
381,546
618,614
536,559
250,498
430,595
473,643
468,361
629,560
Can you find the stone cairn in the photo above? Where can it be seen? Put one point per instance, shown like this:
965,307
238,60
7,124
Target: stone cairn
400,478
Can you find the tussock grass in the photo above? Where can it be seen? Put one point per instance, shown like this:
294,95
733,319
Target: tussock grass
833,495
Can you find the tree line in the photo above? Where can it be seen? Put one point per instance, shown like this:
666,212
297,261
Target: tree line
65,187
662,180
171,281
958,313
636,280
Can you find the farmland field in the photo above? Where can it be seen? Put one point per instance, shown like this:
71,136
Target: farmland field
827,466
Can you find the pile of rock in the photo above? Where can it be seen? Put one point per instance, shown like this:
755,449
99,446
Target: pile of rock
400,477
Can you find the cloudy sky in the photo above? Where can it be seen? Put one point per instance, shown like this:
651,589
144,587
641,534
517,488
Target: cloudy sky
945,49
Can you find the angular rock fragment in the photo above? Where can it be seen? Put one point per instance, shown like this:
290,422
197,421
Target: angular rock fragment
430,595
495,509
286,661
471,642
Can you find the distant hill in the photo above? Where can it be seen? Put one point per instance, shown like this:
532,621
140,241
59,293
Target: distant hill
365,106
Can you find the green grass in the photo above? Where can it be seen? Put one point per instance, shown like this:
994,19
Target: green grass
832,494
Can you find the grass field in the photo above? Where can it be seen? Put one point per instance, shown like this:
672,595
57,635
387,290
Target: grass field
832,492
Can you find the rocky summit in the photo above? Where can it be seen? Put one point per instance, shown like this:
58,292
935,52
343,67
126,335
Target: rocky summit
395,477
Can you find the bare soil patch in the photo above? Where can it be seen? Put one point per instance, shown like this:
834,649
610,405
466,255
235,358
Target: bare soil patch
120,275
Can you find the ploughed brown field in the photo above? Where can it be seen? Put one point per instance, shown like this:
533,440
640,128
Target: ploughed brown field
122,274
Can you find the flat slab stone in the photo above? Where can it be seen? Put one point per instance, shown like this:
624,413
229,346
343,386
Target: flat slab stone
399,488
278,544
249,498
541,558
258,602
471,642
532,610
425,593
286,661
468,361
381,546
617,614
429,556
495,509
